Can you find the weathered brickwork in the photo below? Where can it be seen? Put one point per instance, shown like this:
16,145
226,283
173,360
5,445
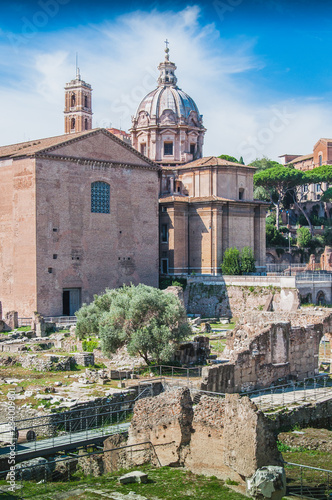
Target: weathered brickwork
219,299
260,355
50,239
217,437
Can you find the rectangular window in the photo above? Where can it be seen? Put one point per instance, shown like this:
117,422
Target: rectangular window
143,148
320,160
164,233
168,148
305,188
192,149
164,266
100,197
318,188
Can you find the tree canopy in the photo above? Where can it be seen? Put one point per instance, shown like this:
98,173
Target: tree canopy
147,320
279,180
229,158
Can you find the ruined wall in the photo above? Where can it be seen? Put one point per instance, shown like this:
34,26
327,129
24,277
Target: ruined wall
278,352
221,437
215,300
166,422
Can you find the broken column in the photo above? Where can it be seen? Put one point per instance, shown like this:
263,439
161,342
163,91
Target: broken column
11,320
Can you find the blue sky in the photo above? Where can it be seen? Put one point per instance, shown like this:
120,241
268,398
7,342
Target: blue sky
259,71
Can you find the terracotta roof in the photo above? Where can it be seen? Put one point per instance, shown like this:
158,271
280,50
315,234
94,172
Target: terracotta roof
211,161
302,158
32,147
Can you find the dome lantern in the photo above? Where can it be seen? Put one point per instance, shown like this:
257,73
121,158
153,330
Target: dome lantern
167,126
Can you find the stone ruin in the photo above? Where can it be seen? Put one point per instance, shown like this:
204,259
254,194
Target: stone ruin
262,351
325,261
195,352
229,438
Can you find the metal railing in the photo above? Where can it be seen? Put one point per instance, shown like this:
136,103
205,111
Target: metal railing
305,482
61,320
280,268
314,276
69,428
293,393
52,476
24,321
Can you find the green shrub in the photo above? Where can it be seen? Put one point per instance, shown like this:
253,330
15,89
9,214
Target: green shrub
274,237
304,237
89,346
247,260
231,262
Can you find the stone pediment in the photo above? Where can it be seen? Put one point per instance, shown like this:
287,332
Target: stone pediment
94,145
99,145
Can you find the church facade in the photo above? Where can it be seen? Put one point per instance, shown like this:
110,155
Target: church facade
206,204
74,221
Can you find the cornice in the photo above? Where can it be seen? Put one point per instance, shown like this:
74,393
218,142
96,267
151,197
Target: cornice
93,162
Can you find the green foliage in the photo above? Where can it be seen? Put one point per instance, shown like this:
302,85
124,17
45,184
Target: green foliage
274,238
230,158
327,236
280,178
231,262
303,237
147,320
247,260
271,218
241,160
264,164
89,345
166,282
327,196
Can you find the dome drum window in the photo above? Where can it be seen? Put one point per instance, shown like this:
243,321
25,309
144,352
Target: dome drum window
168,148
100,197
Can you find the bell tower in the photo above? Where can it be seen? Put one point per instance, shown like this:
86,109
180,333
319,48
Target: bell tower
78,105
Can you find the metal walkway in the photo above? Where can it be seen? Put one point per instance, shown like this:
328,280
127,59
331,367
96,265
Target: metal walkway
50,446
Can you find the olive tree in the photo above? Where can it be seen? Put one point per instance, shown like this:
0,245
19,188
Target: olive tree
148,321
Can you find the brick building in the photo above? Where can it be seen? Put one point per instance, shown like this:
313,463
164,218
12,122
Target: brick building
321,155
78,213
206,207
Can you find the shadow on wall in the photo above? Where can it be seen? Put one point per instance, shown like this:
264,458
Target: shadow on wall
215,299
208,299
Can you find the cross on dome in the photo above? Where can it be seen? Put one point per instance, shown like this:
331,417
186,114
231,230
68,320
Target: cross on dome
167,50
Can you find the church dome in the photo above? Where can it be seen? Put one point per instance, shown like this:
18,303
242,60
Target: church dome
168,103
165,98
167,126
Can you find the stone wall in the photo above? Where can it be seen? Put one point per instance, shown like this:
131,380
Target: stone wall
220,299
217,437
317,415
260,356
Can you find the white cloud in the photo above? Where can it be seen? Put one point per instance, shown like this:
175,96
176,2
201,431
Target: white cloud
120,57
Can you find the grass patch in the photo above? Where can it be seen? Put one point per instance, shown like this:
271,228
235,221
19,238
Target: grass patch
165,483
227,326
218,346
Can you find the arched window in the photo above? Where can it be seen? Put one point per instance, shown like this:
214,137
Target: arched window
100,197
86,124
73,123
241,194
73,101
85,101
320,160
